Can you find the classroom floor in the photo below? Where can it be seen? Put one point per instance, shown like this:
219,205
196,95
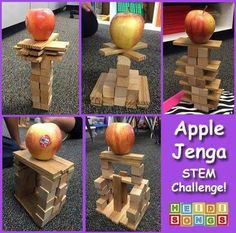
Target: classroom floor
70,218
16,92
94,64
225,54
152,169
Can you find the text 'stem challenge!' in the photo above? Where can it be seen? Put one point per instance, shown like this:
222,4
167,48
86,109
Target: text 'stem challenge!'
199,167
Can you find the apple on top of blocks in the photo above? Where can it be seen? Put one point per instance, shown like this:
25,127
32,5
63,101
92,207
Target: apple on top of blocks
199,26
43,140
40,23
126,29
120,138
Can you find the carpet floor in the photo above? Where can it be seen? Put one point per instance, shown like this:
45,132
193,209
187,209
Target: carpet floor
225,54
70,218
152,171
16,94
94,64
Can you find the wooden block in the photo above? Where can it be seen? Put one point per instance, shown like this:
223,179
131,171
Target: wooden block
203,61
204,109
195,98
124,189
195,90
47,72
35,53
107,173
192,61
120,96
60,46
46,63
35,68
45,99
202,100
46,106
132,215
201,83
56,209
136,179
63,201
123,66
108,101
36,105
192,51
135,55
122,81
46,80
144,96
35,99
45,204
203,52
101,203
147,194
137,170
189,70
109,85
45,195
203,92
135,195
34,78
100,183
192,81
63,179
134,83
117,193
105,164
46,87
44,214
103,191
61,190
34,85
198,72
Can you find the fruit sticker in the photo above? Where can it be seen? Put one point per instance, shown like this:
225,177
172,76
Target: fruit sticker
45,141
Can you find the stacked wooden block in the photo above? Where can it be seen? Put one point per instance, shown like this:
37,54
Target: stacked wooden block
42,55
198,74
121,87
115,202
41,186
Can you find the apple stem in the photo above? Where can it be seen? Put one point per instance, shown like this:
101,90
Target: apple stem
204,9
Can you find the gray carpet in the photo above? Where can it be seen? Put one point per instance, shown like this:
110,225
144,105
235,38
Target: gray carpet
94,64
152,171
16,73
225,54
70,217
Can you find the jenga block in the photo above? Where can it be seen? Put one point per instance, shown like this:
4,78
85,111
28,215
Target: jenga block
192,81
44,194
203,92
61,190
45,204
145,182
203,61
135,195
136,179
36,105
204,109
189,70
101,203
132,215
192,51
44,214
195,90
36,68
134,83
46,64
45,99
195,98
34,85
108,101
198,72
202,100
120,96
34,77
123,66
201,83
108,90
103,191
56,209
63,179
147,194
203,52
46,80
46,87
124,189
63,200
137,170
122,81
105,164
46,106
35,99
192,61
117,192
100,183
107,173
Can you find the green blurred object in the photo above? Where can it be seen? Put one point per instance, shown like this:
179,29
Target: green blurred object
133,7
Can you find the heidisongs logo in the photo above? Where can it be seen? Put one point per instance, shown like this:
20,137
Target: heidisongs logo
199,214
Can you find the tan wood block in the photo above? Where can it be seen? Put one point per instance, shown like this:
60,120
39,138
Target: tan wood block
136,179
203,61
192,52
123,66
35,68
46,63
46,87
189,70
117,193
192,61
45,204
201,83
203,92
44,214
45,99
35,99
45,195
100,183
105,191
107,173
132,215
137,170
36,105
147,194
96,94
108,101
198,72
47,72
195,98
108,90
63,179
101,203
48,184
124,189
105,164
34,77
60,46
195,90
203,52
61,190
46,80
134,55
122,81
135,195
203,100
34,85
35,53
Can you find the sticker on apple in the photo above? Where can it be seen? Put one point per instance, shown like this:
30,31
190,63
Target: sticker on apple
45,141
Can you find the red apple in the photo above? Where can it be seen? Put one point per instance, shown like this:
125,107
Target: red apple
199,25
43,140
40,23
120,138
126,29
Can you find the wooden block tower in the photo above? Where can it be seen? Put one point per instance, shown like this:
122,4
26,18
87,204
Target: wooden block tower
42,54
198,74
122,86
115,202
41,186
